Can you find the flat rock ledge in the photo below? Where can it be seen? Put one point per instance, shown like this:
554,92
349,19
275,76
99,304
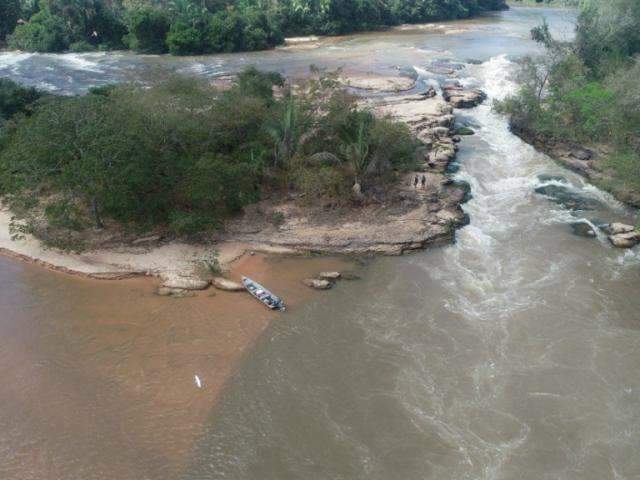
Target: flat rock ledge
183,282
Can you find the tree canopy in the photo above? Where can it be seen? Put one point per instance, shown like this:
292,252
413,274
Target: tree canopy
186,27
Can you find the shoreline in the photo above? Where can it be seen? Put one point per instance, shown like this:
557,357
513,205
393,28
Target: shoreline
411,219
586,161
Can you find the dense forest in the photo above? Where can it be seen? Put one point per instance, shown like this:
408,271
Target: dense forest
184,27
182,156
587,91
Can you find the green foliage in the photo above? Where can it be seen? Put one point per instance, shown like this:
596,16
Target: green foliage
9,15
189,27
43,33
588,91
148,28
212,263
59,24
183,156
15,98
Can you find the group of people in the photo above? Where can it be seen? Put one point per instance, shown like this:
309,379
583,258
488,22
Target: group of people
422,181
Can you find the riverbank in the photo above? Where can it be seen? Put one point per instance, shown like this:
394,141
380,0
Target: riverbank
405,218
589,161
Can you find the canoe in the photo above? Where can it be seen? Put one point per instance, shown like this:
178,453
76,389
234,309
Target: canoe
262,294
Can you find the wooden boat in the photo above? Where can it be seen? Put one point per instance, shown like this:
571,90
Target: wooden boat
265,296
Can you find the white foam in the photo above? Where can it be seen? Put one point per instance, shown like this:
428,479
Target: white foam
12,60
77,61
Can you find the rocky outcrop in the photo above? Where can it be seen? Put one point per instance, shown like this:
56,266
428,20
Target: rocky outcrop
459,97
591,163
397,221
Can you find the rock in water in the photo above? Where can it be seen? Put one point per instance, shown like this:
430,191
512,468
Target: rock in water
329,275
350,276
227,285
173,292
568,198
618,228
625,240
458,97
465,131
317,283
545,177
583,229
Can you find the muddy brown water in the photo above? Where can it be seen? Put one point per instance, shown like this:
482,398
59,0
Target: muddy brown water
512,354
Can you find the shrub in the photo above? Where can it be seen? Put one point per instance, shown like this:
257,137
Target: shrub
15,98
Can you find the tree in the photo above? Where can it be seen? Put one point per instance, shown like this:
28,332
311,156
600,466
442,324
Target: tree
9,15
148,29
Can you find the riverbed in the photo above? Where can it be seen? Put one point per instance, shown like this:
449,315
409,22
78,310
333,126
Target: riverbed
513,353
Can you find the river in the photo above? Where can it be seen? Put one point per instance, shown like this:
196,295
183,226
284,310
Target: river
512,354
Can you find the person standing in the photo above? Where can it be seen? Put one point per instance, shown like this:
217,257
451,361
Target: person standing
424,182
415,182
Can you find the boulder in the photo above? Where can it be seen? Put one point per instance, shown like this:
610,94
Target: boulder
227,285
461,98
625,240
329,275
583,229
317,283
581,153
618,228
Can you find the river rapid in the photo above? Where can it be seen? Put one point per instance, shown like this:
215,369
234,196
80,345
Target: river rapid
512,354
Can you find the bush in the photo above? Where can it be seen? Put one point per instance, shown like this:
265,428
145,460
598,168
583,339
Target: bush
148,29
15,98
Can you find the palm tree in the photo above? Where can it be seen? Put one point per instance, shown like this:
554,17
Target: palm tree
285,132
356,146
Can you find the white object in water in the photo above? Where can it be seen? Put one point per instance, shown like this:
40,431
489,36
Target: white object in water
198,382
